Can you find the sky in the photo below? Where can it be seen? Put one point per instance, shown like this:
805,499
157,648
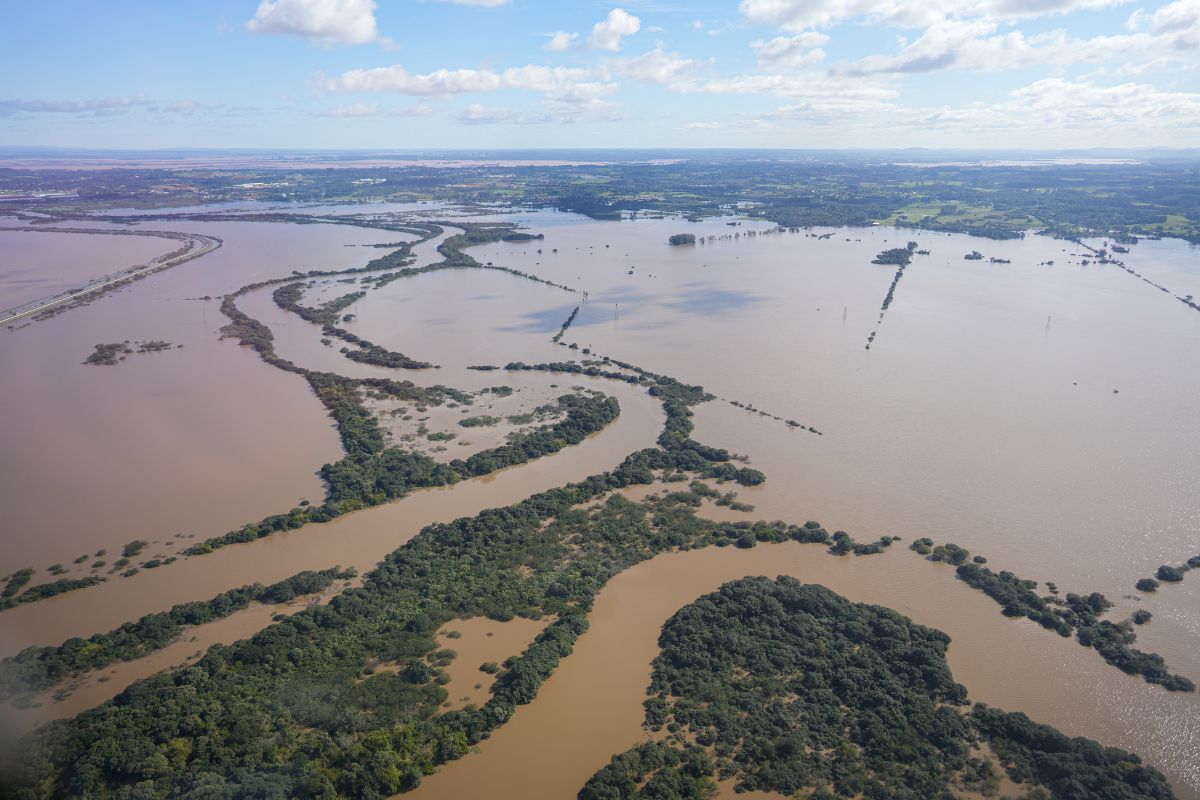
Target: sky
482,74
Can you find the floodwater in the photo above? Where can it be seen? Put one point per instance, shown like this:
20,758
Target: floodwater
35,263
186,506
359,540
196,440
452,318
591,707
477,641
1033,414
1167,262
95,687
1041,415
486,424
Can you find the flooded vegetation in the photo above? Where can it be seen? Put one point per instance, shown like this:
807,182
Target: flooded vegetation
481,648
41,263
463,568
36,669
541,436
707,401
108,355
786,687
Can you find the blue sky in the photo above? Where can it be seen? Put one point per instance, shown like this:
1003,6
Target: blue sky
403,74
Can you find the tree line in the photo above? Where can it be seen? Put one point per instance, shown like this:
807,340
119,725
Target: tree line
35,669
1074,614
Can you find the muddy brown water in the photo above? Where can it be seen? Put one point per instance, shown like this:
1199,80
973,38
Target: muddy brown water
195,440
591,707
480,640
1035,414
984,413
93,688
35,264
967,419
359,539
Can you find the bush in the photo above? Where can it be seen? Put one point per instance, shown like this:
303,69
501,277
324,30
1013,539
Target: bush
1147,585
1168,573
133,548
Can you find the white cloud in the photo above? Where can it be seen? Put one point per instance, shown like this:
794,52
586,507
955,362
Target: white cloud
398,79
800,15
184,106
324,21
977,45
1063,103
567,84
548,113
814,89
374,110
976,35
113,106
607,34
354,110
945,44
1180,21
189,108
1052,112
560,40
1058,112
800,50
476,114
732,124
659,66
1136,69
97,107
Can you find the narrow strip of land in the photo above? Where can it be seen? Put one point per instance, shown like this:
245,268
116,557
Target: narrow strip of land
195,245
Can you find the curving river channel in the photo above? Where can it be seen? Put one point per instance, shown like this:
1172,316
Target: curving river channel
1021,450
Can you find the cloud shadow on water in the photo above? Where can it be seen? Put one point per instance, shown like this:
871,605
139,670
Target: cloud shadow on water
711,300
546,320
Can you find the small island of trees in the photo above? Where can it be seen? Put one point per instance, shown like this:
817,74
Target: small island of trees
1168,573
1077,614
790,688
683,238
900,256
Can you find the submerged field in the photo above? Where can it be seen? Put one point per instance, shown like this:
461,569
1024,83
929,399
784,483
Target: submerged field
1034,406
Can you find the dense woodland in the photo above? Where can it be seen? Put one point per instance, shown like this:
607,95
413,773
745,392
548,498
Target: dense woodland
302,708
788,687
38,668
